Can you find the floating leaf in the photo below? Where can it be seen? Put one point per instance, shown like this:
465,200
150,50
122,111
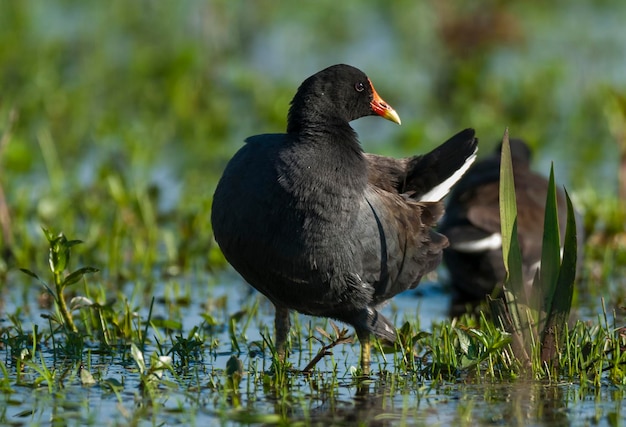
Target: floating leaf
25,413
112,384
85,377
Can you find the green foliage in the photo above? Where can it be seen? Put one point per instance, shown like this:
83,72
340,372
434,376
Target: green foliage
234,373
514,317
5,380
151,375
59,256
511,251
562,290
186,350
454,349
535,316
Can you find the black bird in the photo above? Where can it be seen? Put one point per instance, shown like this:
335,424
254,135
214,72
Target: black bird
472,224
318,226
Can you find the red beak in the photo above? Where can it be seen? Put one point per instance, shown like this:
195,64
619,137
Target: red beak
384,110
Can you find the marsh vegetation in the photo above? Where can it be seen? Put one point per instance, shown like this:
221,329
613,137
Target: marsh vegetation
116,119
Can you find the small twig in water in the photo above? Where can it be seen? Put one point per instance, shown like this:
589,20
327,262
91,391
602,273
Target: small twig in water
340,338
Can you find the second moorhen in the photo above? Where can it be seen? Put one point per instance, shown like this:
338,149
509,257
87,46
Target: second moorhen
318,226
472,224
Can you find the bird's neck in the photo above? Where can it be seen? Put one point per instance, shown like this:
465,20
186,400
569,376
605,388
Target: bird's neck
335,141
311,125
328,160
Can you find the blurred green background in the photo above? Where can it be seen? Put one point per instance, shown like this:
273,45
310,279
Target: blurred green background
118,117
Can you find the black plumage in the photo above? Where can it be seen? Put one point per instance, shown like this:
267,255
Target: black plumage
320,227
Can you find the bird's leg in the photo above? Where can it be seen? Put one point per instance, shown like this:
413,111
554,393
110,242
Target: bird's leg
282,326
364,339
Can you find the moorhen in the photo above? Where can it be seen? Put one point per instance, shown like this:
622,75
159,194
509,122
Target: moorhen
318,226
472,225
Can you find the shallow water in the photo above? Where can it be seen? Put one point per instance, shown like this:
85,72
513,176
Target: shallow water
331,395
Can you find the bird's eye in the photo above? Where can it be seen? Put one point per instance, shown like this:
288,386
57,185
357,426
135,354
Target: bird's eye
360,87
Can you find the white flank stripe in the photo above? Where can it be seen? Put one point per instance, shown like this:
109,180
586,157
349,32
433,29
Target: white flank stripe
488,243
535,266
440,191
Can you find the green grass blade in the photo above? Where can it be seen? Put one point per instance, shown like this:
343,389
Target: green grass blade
567,274
556,323
543,294
514,290
508,217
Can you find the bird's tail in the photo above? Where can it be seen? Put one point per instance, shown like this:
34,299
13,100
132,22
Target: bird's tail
375,323
431,176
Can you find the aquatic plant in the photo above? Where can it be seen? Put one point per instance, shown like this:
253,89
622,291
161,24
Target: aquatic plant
59,258
536,316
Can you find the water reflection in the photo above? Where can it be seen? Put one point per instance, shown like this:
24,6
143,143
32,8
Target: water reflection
521,403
